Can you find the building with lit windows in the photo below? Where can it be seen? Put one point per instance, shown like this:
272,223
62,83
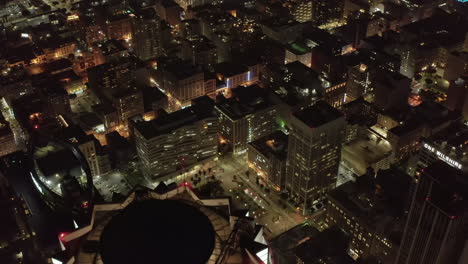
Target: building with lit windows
120,26
115,83
53,96
314,152
359,82
171,142
303,244
428,42
319,11
435,231
57,47
91,149
7,138
267,158
193,3
370,210
244,117
301,10
233,75
110,76
147,41
298,52
360,115
181,80
199,50
128,103
325,11
407,130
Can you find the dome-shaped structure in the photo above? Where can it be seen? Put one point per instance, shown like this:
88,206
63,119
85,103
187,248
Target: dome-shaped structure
62,175
159,232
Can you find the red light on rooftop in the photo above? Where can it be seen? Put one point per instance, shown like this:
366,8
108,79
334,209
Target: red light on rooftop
61,236
453,217
428,198
36,126
186,184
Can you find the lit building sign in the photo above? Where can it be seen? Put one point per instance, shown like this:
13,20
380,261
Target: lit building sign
443,157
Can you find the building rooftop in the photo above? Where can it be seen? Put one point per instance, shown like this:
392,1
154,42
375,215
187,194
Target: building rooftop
377,202
428,114
298,48
318,114
330,244
440,29
59,66
244,101
451,189
57,162
163,231
275,144
75,135
179,68
111,47
452,142
169,3
284,244
229,69
166,123
201,43
279,24
104,108
360,112
167,225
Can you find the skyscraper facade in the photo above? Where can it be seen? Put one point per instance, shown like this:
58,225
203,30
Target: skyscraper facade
435,231
314,152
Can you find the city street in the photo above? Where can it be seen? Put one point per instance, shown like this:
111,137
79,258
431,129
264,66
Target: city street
268,208
275,218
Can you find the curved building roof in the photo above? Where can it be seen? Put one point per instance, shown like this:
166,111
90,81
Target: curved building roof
160,232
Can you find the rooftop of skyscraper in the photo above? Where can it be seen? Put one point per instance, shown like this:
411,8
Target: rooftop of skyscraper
244,101
450,191
275,144
318,114
202,108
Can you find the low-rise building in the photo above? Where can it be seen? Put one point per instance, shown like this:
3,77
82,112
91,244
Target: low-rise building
267,158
